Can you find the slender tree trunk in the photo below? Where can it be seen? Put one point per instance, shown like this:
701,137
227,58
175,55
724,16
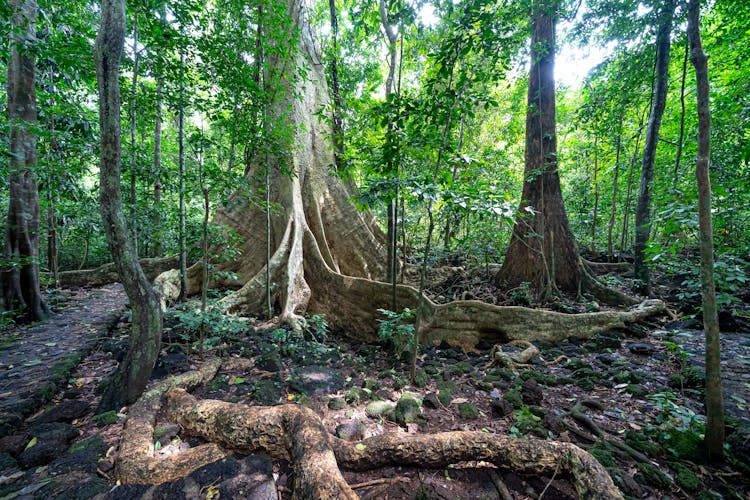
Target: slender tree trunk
542,250
338,120
596,195
615,177
448,231
181,142
631,168
643,207
20,275
157,246
681,139
135,370
714,439
133,133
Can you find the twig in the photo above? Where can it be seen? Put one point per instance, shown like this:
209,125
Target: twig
557,469
502,490
373,482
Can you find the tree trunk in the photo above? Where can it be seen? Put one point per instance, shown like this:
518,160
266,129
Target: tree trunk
133,134
714,439
156,220
596,195
643,207
20,273
681,138
615,178
542,250
133,373
181,161
338,120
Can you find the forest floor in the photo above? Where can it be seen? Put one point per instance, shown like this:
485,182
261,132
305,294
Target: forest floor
632,398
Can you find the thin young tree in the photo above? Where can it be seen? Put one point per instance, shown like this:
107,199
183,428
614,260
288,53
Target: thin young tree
643,206
714,439
20,271
135,370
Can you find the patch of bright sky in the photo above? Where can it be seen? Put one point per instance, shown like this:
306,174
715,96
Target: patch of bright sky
572,63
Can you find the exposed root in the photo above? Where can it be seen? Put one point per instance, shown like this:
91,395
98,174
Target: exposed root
106,274
136,463
608,267
295,433
513,360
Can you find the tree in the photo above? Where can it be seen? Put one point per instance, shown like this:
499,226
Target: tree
714,439
643,207
145,338
327,256
20,274
542,250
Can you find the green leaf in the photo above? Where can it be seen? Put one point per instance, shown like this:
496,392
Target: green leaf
31,443
360,446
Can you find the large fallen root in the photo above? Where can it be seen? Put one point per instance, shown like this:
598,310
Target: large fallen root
106,274
295,433
136,463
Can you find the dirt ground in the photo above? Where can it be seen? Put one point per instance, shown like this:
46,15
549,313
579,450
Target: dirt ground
632,398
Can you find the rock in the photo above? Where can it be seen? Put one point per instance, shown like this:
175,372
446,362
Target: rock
514,398
267,392
56,430
316,380
408,410
351,431
107,418
42,452
641,348
270,362
15,443
251,477
355,395
607,340
739,442
67,411
421,379
501,408
371,383
727,322
8,464
685,476
553,423
431,401
653,476
468,411
336,404
531,392
173,362
378,409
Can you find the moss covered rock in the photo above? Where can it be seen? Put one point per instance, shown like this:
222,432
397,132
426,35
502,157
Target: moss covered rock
408,410
468,411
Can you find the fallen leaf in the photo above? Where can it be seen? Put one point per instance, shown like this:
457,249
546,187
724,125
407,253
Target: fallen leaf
360,446
31,443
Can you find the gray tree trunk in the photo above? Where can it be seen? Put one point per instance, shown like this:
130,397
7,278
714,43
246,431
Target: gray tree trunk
20,273
643,206
714,439
145,338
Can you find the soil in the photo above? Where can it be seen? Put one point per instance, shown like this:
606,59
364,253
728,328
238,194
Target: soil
632,398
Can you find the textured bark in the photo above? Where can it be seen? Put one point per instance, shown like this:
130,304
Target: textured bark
20,272
136,462
643,207
542,250
714,400
107,273
296,434
133,373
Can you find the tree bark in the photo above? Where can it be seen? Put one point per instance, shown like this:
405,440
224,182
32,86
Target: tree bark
338,120
133,373
295,433
542,250
20,271
615,179
181,161
643,207
156,218
714,438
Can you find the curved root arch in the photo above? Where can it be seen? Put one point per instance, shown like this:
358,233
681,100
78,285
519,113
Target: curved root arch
296,434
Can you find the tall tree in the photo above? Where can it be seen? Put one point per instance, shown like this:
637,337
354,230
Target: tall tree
714,439
20,273
643,206
145,338
542,250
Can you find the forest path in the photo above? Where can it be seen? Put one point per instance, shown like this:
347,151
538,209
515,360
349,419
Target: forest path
36,359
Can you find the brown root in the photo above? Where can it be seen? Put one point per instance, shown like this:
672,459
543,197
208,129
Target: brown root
295,433
513,360
608,267
136,463
106,274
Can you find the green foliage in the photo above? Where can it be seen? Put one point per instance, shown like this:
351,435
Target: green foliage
677,428
397,330
219,327
525,422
